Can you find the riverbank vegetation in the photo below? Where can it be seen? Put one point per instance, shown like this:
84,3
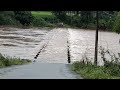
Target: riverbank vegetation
108,20
90,71
6,61
109,70
87,19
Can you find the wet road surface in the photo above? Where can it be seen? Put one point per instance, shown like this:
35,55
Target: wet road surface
51,63
26,43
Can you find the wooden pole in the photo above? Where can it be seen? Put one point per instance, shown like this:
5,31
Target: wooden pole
96,41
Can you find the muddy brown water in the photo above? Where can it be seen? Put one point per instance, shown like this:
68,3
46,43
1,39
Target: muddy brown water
23,43
82,42
20,43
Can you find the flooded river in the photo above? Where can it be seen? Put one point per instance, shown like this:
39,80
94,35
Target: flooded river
82,42
25,43
21,43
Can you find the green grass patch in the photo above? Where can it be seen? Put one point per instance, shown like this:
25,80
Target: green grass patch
88,71
42,14
8,61
44,19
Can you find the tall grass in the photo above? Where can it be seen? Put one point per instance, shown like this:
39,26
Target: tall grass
8,61
110,69
42,13
89,71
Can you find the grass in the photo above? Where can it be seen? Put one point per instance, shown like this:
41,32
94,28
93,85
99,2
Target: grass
42,13
44,19
8,61
89,71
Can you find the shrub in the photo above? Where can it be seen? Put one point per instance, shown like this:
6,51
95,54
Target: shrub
7,18
24,17
116,26
38,21
8,61
112,68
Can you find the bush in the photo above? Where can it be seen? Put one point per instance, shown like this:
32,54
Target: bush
8,61
7,18
41,22
50,19
91,26
89,71
50,25
24,17
110,23
76,21
38,21
102,24
112,68
116,26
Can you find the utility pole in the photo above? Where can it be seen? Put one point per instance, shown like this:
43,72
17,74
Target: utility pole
96,40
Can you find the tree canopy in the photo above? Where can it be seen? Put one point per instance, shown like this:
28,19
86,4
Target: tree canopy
24,17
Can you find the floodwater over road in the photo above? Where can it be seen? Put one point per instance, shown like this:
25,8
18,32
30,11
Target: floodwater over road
25,43
21,43
82,42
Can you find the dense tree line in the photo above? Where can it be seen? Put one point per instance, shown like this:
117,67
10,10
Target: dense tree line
87,19
108,20
24,17
116,27
15,17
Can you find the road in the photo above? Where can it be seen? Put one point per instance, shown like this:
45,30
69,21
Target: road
38,70
51,63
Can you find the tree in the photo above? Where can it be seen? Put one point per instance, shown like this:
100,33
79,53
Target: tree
24,17
7,18
86,17
116,26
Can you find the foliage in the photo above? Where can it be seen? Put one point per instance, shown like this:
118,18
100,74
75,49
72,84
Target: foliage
110,69
8,61
87,19
24,17
47,16
7,18
116,27
89,71
42,13
80,19
38,21
44,19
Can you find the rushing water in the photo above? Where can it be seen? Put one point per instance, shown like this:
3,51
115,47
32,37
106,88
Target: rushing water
25,43
82,42
21,43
